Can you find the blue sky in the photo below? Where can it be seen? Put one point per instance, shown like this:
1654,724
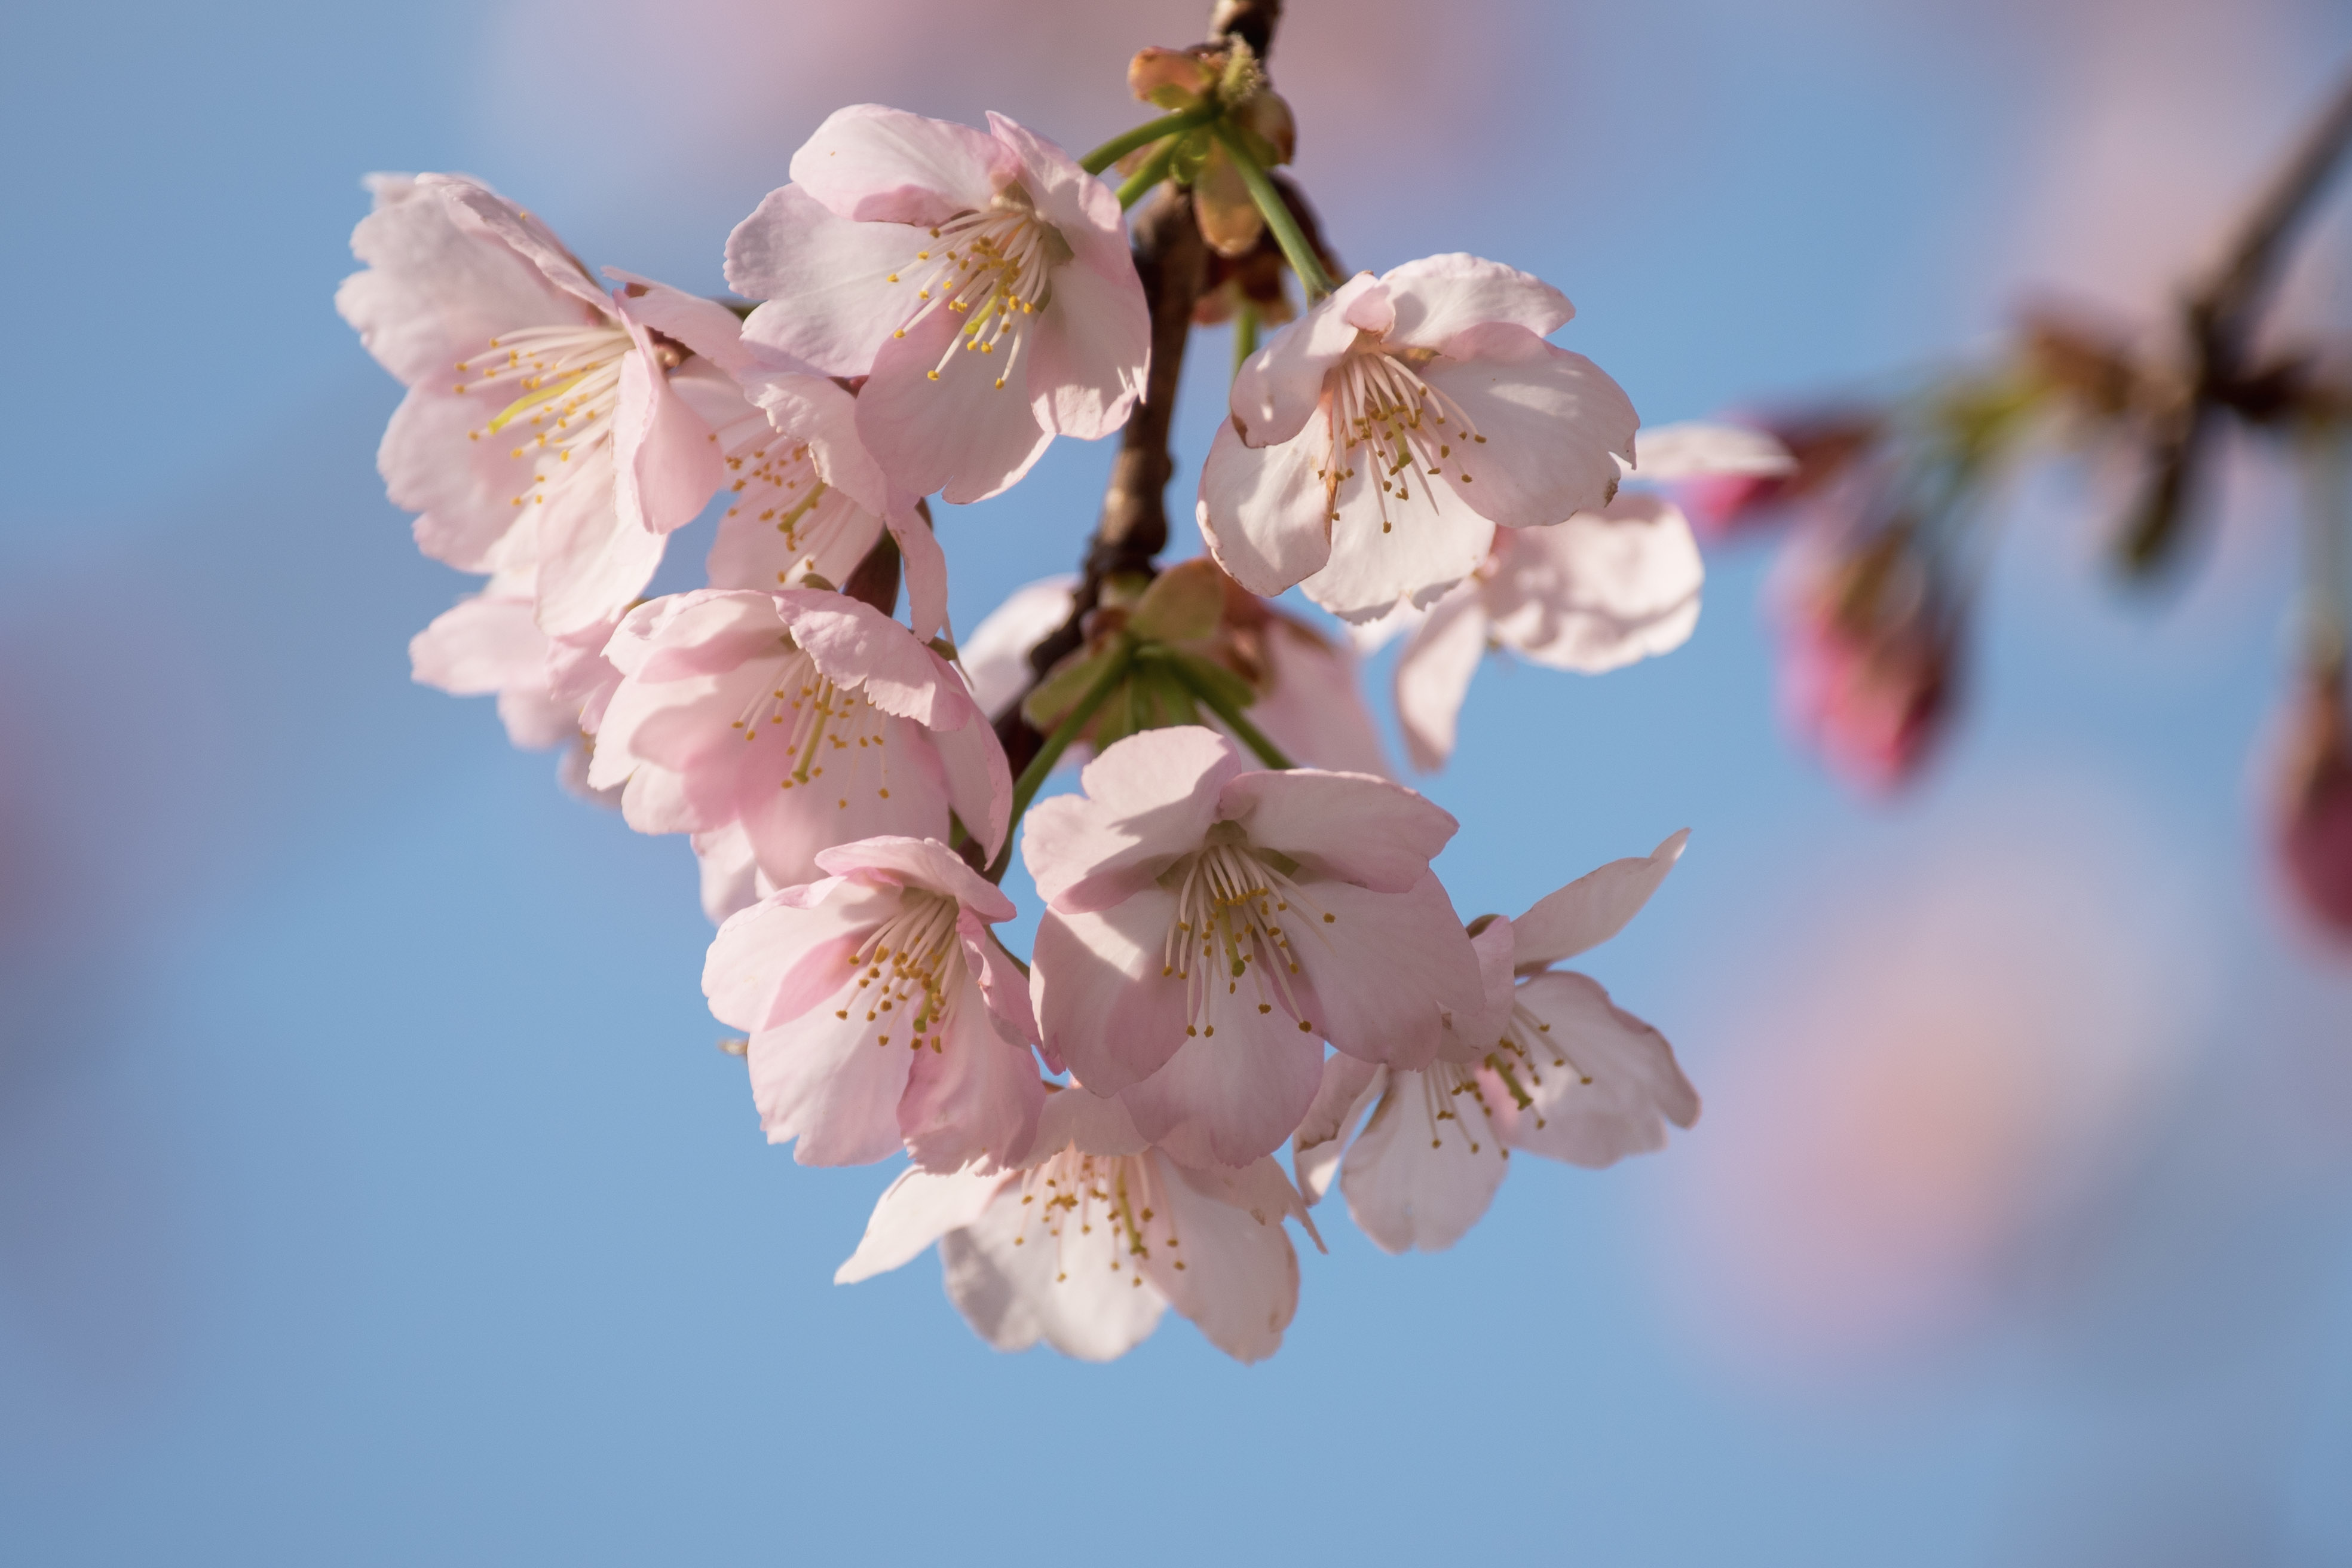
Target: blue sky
371,1189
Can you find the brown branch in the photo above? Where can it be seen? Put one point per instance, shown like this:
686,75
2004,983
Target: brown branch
1172,261
2220,319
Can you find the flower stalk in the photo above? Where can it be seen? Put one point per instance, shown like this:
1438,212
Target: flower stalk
1278,217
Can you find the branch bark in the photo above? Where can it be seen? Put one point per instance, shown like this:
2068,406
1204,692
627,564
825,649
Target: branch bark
1174,263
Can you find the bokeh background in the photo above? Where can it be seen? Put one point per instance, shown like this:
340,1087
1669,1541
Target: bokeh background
371,1190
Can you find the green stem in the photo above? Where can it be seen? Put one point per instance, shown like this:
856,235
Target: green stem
1215,701
1126,142
1032,777
1155,169
1244,334
1295,248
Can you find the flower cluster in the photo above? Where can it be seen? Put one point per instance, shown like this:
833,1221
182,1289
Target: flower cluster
1243,943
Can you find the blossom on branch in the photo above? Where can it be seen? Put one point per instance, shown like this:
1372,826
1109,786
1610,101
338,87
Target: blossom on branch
804,717
881,1010
1591,594
1551,1067
1183,879
980,282
1375,442
1089,1236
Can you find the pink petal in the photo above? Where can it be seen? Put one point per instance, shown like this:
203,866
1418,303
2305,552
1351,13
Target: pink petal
1600,591
1554,425
434,293
918,1209
666,464
1412,1180
485,644
1434,673
925,568
979,781
1104,1008
959,434
1001,983
1313,707
878,165
729,873
1471,1036
1384,968
1349,826
1693,451
842,803
1440,296
707,327
479,211
1078,1296
828,281
977,1095
1348,1087
1593,907
1232,1093
923,863
1385,548
464,489
854,643
1148,799
830,539
772,963
592,562
1264,511
1239,1279
823,1080
1634,1085
1073,1119
1279,388
814,409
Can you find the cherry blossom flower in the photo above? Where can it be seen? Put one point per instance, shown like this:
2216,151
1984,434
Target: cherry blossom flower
1551,1067
891,944
2312,806
1180,877
1375,442
1309,701
552,691
1591,594
978,280
1085,1240
807,718
807,500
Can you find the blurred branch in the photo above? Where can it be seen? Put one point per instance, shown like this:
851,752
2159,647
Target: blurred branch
2221,319
1172,261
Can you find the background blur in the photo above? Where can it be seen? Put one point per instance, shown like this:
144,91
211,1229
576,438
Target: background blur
371,1190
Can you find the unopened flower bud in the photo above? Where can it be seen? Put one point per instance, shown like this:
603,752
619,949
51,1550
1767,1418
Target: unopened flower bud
1869,669
2313,805
1826,445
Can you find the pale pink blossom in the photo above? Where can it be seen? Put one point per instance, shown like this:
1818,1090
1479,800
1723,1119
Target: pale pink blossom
1208,925
1376,443
1085,1239
1309,702
882,1011
805,499
552,691
978,280
806,717
540,418
1598,592
1549,1066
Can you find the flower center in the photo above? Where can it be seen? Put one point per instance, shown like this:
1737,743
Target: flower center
1380,404
1523,1055
820,721
1230,902
1074,1188
777,476
567,381
914,965
993,268
1450,1092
